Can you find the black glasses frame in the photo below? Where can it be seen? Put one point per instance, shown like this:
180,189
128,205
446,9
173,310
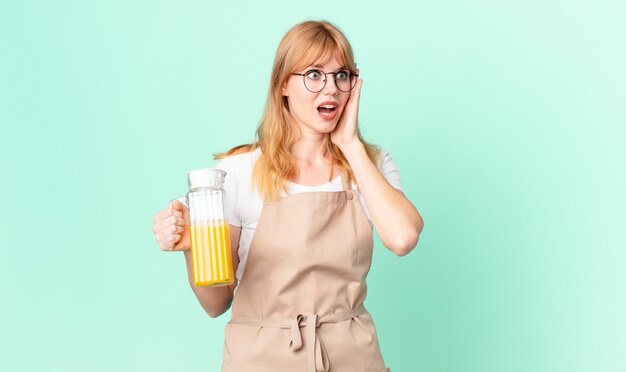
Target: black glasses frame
352,73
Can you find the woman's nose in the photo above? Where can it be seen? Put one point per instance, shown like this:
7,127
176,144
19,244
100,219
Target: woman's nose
331,86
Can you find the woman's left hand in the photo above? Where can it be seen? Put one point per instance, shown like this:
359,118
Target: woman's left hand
346,132
395,219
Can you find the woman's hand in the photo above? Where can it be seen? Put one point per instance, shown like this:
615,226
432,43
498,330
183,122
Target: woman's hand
171,227
395,219
346,132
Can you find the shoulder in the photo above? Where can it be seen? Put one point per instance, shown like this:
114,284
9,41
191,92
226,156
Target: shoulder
237,184
384,157
238,170
239,162
385,162
387,167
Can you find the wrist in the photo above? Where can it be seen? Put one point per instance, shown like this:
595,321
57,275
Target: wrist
352,149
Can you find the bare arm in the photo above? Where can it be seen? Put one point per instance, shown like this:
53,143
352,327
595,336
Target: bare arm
395,219
171,230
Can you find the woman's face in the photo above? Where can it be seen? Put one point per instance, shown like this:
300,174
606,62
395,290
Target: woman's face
316,113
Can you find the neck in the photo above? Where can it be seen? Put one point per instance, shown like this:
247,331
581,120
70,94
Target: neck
311,149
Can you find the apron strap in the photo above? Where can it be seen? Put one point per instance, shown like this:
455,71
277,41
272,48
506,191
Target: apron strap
317,358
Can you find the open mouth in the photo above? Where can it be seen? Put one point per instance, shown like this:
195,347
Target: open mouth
327,110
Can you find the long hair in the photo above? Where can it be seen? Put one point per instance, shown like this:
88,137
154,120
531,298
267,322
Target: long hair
305,44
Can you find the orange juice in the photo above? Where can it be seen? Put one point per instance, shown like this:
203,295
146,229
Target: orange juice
210,254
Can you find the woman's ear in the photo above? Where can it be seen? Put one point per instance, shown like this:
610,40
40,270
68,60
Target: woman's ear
284,91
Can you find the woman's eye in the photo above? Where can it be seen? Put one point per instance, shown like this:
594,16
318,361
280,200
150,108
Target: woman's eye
314,75
342,75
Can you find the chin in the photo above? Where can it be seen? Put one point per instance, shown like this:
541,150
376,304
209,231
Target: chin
319,125
326,127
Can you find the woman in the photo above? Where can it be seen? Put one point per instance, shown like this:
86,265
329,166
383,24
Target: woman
301,229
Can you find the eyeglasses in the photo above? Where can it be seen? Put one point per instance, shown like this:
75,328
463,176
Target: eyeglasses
315,80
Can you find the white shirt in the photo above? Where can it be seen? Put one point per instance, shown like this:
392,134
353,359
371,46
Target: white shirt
244,203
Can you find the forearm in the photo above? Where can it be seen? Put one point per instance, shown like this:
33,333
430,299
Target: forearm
214,300
397,222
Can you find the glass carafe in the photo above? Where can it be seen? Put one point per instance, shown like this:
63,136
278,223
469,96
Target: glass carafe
209,233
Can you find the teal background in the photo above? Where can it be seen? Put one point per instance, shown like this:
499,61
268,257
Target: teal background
506,119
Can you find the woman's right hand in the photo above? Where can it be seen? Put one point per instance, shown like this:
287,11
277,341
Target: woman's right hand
171,227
